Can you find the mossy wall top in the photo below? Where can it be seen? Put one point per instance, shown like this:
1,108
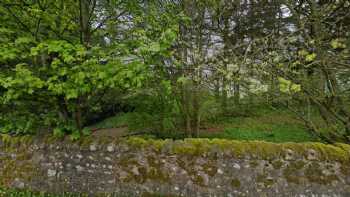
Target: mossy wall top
192,167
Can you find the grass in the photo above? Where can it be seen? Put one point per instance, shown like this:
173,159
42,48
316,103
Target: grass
275,133
272,126
260,123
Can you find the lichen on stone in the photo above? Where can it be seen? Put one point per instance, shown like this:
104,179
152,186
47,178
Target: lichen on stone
265,180
236,183
315,174
277,164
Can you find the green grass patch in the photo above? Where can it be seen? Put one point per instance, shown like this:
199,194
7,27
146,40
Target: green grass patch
119,120
275,134
262,123
272,126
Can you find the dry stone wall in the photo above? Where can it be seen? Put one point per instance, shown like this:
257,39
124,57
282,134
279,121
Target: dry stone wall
194,167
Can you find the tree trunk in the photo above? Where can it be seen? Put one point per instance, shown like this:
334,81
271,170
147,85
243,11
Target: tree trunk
236,93
225,82
85,33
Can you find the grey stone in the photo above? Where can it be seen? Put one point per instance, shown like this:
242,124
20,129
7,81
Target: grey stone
220,171
108,159
93,147
111,181
37,158
17,183
51,173
311,154
289,154
135,170
79,168
110,148
236,166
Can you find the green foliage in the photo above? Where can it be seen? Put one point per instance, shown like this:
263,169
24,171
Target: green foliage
66,64
69,129
157,111
310,57
63,73
18,123
338,44
22,84
287,86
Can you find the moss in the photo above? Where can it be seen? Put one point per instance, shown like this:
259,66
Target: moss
187,166
153,161
314,174
265,180
136,178
198,180
147,194
255,149
180,162
137,142
158,175
8,192
298,165
52,139
345,147
103,139
210,168
159,144
291,172
235,183
253,163
85,142
143,175
192,147
20,167
128,161
153,172
345,169
335,153
20,141
277,164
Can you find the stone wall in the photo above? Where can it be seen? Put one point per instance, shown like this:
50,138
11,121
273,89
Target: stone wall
137,167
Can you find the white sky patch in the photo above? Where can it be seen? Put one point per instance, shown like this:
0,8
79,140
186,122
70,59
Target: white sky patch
285,11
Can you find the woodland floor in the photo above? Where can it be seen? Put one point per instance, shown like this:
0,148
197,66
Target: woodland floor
273,126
